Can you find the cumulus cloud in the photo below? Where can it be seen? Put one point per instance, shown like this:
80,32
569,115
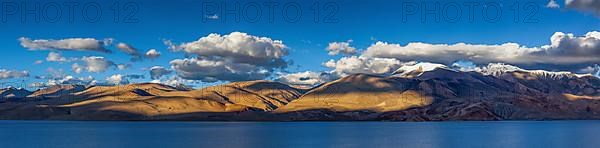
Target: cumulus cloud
592,6
71,80
171,46
76,44
130,50
583,48
117,79
209,70
77,68
366,65
336,48
57,57
123,66
9,74
157,71
240,48
552,4
175,81
152,54
343,67
233,57
93,64
564,49
65,80
445,53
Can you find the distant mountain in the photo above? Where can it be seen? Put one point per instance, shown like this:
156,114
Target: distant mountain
57,91
148,101
13,93
420,92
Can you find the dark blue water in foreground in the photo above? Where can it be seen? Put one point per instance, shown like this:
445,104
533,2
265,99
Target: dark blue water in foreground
60,134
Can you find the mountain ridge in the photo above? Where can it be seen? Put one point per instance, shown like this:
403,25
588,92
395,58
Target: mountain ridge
425,94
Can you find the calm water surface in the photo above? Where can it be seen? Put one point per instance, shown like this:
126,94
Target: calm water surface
60,134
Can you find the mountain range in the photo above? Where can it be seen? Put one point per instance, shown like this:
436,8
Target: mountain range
421,92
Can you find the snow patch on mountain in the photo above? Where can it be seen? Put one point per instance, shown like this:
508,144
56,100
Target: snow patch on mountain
498,69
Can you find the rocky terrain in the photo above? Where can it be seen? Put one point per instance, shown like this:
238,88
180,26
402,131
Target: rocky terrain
418,93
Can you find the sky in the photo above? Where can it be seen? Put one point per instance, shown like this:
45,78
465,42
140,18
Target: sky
304,42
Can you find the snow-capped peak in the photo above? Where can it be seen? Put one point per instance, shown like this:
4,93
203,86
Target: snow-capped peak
14,88
497,69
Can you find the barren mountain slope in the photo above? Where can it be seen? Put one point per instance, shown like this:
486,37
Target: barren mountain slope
264,95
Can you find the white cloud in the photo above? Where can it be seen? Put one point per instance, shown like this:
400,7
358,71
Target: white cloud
568,45
233,57
76,44
77,68
117,79
208,70
52,73
444,53
57,57
336,48
9,74
123,66
120,79
171,46
130,50
152,54
552,4
213,17
65,80
366,65
93,64
157,71
564,49
174,81
592,6
240,47
72,80
305,79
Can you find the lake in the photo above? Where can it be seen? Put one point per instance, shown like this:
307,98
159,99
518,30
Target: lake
60,134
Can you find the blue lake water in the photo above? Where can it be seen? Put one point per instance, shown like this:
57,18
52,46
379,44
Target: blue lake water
511,134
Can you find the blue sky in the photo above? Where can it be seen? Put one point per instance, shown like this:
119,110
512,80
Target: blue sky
364,22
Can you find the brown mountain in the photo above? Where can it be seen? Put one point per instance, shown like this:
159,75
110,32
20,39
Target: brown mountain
12,93
432,94
155,102
444,94
57,91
